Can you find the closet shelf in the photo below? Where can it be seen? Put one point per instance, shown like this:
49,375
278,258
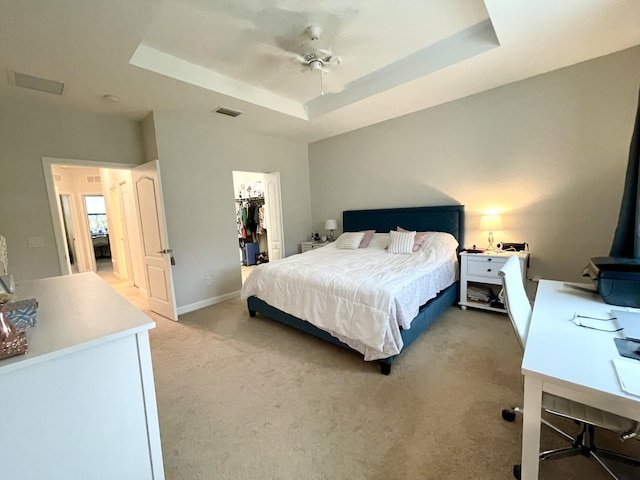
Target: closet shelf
248,199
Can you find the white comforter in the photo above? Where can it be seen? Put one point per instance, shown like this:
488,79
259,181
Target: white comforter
363,296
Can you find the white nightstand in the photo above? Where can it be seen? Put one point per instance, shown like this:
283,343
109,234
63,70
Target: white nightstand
306,246
480,270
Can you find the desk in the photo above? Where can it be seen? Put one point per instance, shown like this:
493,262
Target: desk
569,361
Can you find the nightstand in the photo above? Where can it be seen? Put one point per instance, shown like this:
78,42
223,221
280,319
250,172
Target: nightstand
479,276
306,246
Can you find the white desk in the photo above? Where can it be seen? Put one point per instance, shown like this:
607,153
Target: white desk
569,361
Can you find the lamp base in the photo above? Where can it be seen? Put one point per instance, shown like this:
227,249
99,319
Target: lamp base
491,248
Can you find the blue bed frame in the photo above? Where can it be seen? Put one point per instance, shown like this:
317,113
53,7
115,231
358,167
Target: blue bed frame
434,219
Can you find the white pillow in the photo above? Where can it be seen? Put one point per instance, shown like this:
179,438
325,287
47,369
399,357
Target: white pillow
401,242
441,242
349,240
379,240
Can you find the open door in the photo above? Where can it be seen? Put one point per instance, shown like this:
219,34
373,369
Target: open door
273,206
156,255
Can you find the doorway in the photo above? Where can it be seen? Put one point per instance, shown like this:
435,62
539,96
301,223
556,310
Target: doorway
259,225
98,222
104,207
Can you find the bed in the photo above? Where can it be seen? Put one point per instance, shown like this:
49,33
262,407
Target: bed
397,337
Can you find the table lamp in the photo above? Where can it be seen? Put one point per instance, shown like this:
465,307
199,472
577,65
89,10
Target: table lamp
331,225
490,223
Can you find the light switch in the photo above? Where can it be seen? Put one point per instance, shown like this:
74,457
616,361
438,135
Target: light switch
35,242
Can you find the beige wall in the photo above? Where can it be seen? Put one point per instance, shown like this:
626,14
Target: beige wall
197,157
30,130
549,152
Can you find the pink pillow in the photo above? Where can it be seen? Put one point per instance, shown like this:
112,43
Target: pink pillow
368,235
418,240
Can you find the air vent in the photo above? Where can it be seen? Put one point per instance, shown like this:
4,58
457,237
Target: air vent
57,178
93,179
227,111
36,83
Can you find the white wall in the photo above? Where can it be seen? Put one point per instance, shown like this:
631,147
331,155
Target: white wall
549,152
197,157
30,130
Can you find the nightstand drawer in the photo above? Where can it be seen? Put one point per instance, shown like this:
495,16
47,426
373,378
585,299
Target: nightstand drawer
306,246
485,267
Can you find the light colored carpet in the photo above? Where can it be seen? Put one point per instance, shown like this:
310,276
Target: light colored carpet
242,398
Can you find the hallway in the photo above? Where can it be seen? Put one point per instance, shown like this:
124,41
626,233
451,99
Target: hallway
125,288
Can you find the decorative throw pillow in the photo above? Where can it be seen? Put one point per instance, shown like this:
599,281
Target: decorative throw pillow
350,240
368,235
419,238
401,242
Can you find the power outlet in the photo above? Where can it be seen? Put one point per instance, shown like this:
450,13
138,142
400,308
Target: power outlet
208,280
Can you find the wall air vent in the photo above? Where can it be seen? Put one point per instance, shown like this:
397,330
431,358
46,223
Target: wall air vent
93,179
36,83
227,111
57,178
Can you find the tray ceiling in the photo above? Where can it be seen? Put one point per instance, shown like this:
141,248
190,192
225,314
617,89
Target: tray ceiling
191,56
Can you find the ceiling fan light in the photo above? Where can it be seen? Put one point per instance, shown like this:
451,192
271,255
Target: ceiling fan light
315,65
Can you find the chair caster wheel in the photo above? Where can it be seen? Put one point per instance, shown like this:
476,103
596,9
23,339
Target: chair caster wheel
516,471
508,415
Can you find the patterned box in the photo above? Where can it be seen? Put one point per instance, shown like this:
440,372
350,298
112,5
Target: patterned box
22,313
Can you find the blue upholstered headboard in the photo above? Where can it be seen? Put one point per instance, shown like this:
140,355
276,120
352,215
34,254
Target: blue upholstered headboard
449,218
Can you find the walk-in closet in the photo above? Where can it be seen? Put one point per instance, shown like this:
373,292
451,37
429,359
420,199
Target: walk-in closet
251,219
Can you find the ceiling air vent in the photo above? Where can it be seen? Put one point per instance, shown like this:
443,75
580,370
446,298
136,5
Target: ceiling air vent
227,111
37,83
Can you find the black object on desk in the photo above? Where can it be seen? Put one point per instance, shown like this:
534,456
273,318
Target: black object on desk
628,348
617,279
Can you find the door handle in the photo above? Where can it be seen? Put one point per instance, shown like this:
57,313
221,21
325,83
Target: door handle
166,250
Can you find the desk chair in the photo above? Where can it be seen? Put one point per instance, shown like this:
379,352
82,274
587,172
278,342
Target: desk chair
101,246
519,310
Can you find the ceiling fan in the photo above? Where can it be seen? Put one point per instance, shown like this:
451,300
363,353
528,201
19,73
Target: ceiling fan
308,55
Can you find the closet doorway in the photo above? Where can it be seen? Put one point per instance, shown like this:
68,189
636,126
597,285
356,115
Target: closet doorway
259,224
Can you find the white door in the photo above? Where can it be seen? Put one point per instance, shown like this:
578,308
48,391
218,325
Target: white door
156,255
117,234
273,207
82,235
64,209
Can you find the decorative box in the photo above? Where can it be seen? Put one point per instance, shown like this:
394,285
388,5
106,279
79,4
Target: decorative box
12,342
22,313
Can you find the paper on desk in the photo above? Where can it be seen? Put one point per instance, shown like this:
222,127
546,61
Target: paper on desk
630,323
628,373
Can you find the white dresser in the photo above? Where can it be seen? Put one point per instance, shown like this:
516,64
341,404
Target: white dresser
480,270
81,403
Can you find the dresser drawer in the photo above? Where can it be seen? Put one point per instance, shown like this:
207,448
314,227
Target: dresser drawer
485,267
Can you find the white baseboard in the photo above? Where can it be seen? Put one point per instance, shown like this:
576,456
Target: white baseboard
207,303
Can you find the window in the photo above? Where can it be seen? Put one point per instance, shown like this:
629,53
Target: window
97,213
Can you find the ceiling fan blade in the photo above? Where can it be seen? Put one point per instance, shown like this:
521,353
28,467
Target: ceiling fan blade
299,65
335,61
323,52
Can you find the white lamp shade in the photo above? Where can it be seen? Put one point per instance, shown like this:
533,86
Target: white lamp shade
490,223
331,225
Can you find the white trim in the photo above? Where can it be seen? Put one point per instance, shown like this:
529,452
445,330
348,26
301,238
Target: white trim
47,163
208,302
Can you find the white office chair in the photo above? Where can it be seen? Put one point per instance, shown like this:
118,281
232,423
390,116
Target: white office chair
519,310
